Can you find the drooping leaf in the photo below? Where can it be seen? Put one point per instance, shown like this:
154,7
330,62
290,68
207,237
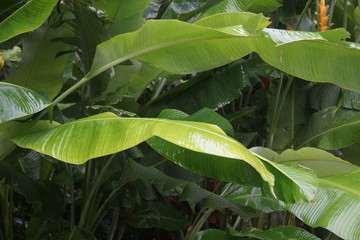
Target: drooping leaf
336,206
157,215
125,16
256,6
27,18
302,183
280,233
320,161
106,133
330,129
16,102
39,68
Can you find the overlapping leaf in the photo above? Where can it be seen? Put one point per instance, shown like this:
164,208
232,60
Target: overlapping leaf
106,133
27,18
336,206
320,161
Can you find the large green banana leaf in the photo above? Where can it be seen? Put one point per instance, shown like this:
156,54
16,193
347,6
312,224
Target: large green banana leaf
302,183
39,68
103,134
16,102
320,161
223,38
27,18
331,129
336,206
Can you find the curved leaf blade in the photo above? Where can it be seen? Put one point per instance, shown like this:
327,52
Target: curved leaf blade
106,133
223,38
27,18
17,102
336,206
320,161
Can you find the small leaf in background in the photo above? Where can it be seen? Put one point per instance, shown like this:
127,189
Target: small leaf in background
157,215
330,128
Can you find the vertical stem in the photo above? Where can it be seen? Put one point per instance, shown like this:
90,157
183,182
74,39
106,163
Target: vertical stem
346,9
331,11
303,13
272,127
293,112
114,222
72,198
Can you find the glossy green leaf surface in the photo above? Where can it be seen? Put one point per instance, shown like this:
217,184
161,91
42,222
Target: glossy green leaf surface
16,102
331,129
336,206
302,183
157,215
106,133
27,18
279,233
223,38
256,6
320,161
39,68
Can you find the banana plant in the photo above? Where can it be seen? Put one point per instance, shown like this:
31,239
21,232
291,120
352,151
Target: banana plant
145,57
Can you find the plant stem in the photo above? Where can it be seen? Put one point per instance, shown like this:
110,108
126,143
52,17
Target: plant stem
331,12
302,14
272,127
160,88
114,222
89,197
72,199
346,9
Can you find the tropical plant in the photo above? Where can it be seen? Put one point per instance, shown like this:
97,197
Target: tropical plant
182,119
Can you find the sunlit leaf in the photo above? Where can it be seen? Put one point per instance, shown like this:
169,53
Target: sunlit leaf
16,102
336,206
320,161
27,18
106,133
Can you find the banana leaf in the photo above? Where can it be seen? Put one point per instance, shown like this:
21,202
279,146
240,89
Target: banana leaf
320,161
330,128
17,102
336,206
223,38
40,69
27,18
106,133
